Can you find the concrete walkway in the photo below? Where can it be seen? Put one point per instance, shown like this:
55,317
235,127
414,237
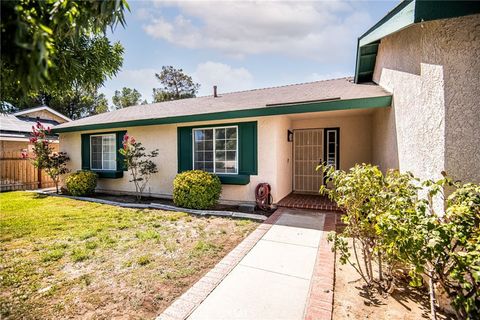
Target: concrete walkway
273,279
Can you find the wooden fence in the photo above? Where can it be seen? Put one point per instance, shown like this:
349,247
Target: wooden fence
18,173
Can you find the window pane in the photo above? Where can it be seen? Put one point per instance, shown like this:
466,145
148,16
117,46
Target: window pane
220,156
103,152
220,167
231,155
223,141
208,156
208,134
231,133
220,144
199,145
231,145
209,166
199,156
220,134
203,150
109,152
199,135
208,145
198,165
96,152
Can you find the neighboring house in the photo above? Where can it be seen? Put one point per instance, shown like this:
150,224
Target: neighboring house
16,172
15,129
413,105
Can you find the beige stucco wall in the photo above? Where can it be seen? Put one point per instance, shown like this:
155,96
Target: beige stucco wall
274,151
273,158
355,136
433,70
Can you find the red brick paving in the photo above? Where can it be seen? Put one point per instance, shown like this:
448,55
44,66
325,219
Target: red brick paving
308,201
320,302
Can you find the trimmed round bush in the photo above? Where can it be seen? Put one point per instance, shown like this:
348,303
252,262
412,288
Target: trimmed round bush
81,183
196,189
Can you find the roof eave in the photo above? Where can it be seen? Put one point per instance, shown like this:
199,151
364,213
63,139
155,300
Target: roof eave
405,14
333,105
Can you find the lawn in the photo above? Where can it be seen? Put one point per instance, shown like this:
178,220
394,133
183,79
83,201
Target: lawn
66,258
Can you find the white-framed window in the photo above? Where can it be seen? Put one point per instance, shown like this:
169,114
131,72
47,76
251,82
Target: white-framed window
216,149
103,153
331,147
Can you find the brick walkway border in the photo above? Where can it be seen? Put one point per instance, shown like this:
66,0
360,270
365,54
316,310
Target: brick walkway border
182,307
320,302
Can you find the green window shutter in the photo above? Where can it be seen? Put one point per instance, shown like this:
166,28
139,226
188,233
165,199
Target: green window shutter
184,152
247,148
85,152
120,158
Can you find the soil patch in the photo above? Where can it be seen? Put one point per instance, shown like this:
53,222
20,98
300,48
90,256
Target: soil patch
353,300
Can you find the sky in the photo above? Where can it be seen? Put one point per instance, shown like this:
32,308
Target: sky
241,45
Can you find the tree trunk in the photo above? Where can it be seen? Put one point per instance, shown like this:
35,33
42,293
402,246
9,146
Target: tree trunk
431,285
380,271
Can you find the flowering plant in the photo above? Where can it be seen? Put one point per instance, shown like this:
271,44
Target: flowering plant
54,163
139,163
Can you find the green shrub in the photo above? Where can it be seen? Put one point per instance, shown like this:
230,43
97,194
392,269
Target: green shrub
81,183
196,189
388,221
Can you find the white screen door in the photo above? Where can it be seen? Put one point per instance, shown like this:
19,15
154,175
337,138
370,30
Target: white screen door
308,154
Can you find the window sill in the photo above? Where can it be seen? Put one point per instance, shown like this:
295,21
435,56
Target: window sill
238,179
109,174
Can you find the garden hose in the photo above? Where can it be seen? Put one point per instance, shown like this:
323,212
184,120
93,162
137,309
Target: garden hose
263,196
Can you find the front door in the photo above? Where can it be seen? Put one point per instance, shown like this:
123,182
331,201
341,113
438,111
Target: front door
307,155
312,147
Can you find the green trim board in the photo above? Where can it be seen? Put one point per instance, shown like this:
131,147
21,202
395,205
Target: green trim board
334,105
405,14
85,147
247,151
400,17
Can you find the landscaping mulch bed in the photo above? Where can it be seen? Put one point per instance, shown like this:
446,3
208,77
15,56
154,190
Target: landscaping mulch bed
64,258
169,202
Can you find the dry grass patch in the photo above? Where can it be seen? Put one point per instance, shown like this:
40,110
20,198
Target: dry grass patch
65,258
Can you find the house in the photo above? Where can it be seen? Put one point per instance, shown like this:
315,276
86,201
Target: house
15,129
413,104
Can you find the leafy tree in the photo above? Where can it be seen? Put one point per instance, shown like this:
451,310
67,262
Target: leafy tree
79,103
54,163
139,163
74,95
40,39
176,85
126,98
100,104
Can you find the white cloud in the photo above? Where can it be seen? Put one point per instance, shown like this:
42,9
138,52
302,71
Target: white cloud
141,79
325,31
226,78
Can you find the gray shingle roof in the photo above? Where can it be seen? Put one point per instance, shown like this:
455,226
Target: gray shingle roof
343,88
10,122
